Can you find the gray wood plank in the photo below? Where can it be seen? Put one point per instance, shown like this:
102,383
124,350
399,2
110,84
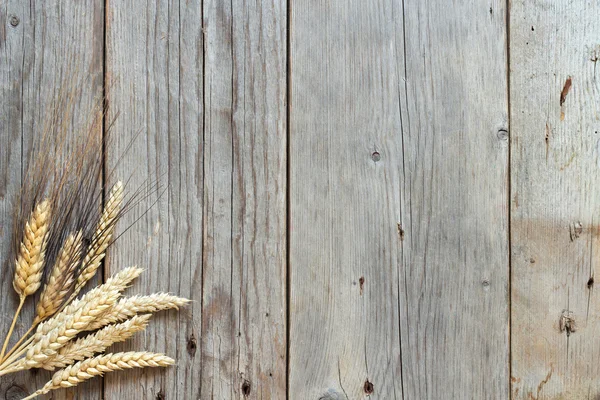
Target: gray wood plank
218,234
42,44
399,214
154,75
554,199
244,314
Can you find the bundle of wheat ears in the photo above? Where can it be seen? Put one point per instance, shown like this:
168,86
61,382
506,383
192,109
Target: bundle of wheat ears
60,238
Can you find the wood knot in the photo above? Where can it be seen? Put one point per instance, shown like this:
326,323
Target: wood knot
502,134
575,230
15,392
567,323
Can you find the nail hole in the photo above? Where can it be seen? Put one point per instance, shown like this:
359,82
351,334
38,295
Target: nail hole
590,282
14,20
368,388
485,283
246,388
502,134
191,345
361,282
376,156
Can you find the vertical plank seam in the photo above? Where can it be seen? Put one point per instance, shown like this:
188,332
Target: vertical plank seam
103,136
404,183
233,388
288,213
203,233
509,194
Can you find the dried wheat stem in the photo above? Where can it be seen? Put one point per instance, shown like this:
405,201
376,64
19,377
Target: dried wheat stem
61,278
12,326
130,306
97,366
30,260
101,238
97,342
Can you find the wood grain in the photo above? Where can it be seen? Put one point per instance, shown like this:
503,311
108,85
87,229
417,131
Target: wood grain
555,143
399,214
209,99
154,81
455,206
48,49
244,290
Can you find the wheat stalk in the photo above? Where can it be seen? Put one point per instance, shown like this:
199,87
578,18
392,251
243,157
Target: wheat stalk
101,238
61,278
130,306
97,366
30,260
97,342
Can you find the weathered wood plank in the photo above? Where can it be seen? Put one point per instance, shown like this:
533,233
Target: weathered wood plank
154,76
455,252
218,234
345,176
399,214
47,49
244,314
554,204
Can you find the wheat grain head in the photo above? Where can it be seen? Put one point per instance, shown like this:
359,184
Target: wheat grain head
60,280
130,306
96,342
30,259
102,237
98,366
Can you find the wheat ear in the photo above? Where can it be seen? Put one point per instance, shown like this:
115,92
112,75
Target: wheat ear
101,238
130,306
97,366
61,278
58,284
96,342
64,326
30,260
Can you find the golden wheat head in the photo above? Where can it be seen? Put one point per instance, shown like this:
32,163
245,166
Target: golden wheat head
98,366
102,237
61,278
30,259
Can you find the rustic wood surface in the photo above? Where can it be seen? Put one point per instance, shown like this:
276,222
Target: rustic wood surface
554,200
46,49
387,199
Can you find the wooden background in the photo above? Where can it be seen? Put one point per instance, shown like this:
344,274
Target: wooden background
392,199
